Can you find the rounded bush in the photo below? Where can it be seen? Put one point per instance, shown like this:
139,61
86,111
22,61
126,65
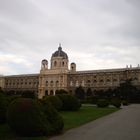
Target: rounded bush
54,118
102,103
26,118
61,91
28,94
125,102
12,98
55,101
70,103
94,100
116,103
3,108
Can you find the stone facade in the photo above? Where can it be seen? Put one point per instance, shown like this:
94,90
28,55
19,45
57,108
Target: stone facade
103,79
17,83
2,82
58,76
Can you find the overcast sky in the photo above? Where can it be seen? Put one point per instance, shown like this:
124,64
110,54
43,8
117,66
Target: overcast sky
96,34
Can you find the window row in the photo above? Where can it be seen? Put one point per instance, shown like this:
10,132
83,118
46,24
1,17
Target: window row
22,83
52,83
94,82
59,63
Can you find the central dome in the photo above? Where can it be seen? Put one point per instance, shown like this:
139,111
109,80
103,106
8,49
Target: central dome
60,53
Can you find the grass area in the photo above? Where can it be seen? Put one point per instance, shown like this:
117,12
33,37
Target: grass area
86,114
71,120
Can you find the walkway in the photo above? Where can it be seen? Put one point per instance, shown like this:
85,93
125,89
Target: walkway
121,125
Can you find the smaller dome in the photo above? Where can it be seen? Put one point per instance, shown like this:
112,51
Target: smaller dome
73,63
44,61
60,53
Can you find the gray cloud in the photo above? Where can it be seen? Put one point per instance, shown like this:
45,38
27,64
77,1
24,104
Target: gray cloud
95,33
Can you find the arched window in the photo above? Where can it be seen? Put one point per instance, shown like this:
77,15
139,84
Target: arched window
51,92
55,63
46,83
95,81
57,83
101,81
88,82
46,92
63,63
114,80
108,80
51,83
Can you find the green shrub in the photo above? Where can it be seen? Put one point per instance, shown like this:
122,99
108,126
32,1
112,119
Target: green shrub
102,103
84,101
28,94
26,118
116,102
61,91
94,100
12,98
54,118
125,102
54,100
3,108
70,103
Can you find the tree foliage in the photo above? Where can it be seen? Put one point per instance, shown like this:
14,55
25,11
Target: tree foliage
28,117
80,93
69,102
54,100
89,92
3,107
61,91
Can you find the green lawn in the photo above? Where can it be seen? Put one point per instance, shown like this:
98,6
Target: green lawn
71,120
86,114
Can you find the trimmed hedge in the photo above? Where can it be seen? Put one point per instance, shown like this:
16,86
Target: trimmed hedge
3,108
28,117
54,118
54,100
61,91
102,103
125,102
70,103
116,102
28,94
93,100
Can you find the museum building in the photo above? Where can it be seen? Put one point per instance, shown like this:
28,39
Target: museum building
59,76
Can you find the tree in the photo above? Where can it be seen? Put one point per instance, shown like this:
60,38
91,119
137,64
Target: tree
127,89
3,107
61,91
89,92
80,93
28,94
